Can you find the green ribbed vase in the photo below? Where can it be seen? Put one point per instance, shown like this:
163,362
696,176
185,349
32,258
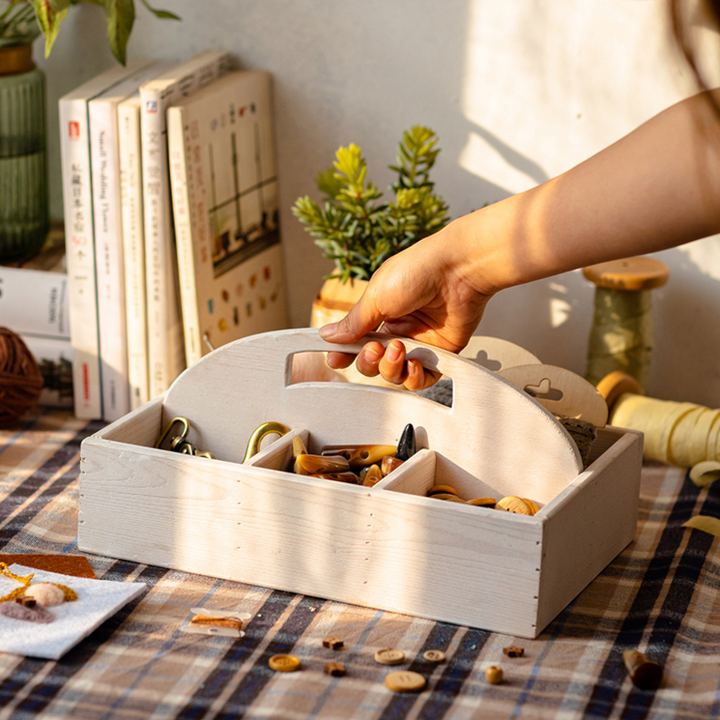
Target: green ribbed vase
23,161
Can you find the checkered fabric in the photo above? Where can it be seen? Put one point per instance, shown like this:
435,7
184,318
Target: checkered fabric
660,596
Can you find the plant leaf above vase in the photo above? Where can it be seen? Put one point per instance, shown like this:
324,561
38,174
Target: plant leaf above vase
19,17
358,231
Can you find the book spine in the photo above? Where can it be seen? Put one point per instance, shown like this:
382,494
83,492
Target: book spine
165,334
181,182
134,252
158,243
80,254
35,302
109,259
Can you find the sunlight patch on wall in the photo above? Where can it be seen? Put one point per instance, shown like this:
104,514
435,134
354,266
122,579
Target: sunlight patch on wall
559,312
704,255
480,158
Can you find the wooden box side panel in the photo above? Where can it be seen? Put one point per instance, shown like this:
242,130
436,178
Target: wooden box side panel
589,525
374,548
140,427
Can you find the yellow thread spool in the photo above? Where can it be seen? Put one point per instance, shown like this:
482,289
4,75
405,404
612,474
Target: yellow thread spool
681,434
621,338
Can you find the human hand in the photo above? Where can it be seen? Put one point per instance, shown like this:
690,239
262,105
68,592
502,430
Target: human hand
422,293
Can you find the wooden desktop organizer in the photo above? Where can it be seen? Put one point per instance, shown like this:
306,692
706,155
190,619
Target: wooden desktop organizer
388,546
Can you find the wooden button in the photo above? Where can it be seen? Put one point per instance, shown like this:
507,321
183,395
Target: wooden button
494,674
284,663
514,505
442,489
447,496
405,681
532,505
336,669
482,502
514,651
434,656
332,642
388,656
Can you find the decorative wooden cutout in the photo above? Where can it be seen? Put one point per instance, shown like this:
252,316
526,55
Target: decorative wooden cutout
496,354
561,391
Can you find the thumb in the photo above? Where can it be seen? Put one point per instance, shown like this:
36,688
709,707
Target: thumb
362,319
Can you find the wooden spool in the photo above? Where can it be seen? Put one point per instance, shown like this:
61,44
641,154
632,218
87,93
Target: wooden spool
621,338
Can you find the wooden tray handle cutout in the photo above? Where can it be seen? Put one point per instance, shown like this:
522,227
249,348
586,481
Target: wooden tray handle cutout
561,391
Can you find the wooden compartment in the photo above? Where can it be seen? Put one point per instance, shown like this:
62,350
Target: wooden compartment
388,546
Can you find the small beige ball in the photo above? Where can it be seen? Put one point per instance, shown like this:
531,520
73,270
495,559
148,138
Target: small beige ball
45,594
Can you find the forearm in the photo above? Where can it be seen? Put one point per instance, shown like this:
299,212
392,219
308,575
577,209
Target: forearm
655,188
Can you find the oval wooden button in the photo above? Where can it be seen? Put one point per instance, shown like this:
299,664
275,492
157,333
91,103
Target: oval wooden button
434,656
534,507
388,656
447,496
284,663
514,505
442,489
405,681
482,502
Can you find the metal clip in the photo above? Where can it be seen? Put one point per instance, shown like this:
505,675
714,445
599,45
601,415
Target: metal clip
268,428
175,421
179,443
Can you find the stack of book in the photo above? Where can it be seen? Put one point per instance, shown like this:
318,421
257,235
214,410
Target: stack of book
171,223
34,304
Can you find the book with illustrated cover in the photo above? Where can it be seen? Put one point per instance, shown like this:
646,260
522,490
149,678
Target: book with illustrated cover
225,203
80,236
165,334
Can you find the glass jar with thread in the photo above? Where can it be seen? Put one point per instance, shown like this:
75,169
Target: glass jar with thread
24,214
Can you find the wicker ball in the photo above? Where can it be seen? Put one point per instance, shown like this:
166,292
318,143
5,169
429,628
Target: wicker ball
20,378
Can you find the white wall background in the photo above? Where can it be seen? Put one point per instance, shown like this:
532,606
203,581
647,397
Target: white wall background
517,91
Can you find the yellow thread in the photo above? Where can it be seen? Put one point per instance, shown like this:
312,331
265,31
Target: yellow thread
70,594
681,434
23,579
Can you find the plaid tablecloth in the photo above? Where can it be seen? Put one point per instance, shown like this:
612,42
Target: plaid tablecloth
660,596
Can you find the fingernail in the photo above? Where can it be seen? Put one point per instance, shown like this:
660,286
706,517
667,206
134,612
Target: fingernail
372,353
328,331
393,352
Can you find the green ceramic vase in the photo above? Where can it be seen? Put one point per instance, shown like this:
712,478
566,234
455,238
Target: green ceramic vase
24,214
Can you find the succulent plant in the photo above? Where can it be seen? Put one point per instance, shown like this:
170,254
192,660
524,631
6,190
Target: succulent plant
358,231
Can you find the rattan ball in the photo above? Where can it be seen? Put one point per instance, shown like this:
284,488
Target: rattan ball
20,378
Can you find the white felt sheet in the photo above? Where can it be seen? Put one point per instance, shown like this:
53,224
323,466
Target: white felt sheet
97,601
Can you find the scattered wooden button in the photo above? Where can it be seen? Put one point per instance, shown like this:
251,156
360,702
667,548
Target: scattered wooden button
514,651
284,663
228,622
494,674
336,669
388,656
333,643
405,681
644,673
434,656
